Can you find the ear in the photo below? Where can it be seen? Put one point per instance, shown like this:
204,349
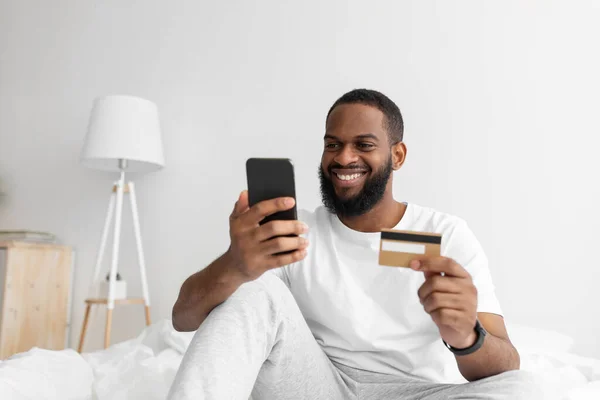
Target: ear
398,155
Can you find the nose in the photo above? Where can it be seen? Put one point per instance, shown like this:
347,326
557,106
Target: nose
346,156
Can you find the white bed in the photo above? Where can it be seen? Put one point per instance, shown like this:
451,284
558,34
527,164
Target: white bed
143,368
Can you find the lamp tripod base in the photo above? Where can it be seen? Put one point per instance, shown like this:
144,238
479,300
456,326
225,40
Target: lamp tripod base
115,207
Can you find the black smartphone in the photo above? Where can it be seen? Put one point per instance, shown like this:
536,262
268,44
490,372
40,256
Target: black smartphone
269,178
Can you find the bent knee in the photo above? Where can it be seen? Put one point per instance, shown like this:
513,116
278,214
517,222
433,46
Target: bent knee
267,288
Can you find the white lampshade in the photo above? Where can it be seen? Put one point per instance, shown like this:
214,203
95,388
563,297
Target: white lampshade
123,127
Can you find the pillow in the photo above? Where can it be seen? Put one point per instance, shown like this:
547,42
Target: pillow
46,374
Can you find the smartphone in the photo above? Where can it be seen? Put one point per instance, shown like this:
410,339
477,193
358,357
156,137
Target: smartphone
269,178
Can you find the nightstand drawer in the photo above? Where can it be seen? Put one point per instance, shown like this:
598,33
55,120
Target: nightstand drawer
34,288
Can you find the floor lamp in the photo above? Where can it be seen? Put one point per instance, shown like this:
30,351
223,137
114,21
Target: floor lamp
123,136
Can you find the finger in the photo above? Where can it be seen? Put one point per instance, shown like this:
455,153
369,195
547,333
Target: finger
448,317
438,283
439,265
429,274
267,207
241,205
280,228
437,300
286,259
283,244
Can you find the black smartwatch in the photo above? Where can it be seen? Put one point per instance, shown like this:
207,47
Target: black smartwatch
481,332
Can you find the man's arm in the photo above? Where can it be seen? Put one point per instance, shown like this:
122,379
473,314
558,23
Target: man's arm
202,292
497,354
254,249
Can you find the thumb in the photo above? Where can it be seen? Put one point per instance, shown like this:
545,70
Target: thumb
241,205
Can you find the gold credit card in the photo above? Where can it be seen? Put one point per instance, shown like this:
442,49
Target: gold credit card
399,248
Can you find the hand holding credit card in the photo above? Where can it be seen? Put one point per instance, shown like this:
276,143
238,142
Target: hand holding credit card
448,293
398,248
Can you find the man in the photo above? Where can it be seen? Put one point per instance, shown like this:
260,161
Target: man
326,321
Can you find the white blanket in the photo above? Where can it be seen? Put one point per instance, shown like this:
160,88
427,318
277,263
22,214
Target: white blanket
143,368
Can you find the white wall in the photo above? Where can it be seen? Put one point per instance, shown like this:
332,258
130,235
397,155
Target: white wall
500,101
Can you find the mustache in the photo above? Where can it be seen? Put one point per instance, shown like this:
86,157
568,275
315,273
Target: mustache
335,165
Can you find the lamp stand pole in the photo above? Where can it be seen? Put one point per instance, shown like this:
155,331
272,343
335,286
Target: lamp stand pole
116,199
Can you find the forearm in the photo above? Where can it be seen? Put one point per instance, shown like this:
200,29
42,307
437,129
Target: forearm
494,357
202,292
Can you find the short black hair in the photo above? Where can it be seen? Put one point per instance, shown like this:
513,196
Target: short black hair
394,123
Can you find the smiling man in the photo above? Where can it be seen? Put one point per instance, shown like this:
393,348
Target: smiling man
325,320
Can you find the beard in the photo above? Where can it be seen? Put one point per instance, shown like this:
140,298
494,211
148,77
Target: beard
371,193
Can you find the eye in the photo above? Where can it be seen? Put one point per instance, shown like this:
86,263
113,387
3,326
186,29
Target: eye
365,146
331,146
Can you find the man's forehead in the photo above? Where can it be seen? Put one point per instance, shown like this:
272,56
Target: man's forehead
355,119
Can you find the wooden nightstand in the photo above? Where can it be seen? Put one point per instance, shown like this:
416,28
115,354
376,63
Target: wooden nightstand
35,288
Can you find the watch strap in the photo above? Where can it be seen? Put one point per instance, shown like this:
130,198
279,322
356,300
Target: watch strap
481,332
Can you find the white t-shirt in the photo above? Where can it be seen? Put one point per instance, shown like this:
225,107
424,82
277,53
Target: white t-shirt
368,316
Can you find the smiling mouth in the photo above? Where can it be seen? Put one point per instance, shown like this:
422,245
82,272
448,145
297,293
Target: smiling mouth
349,177
346,179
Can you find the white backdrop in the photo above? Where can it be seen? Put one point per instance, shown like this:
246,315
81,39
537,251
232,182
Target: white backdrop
499,98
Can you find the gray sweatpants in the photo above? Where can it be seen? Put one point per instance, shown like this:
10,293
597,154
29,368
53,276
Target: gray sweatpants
257,344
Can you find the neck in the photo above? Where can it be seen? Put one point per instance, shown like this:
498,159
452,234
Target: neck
385,215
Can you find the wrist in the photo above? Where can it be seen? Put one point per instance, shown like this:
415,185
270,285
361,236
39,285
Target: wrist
228,271
467,342
480,334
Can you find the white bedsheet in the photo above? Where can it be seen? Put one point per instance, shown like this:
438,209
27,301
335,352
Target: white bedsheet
143,368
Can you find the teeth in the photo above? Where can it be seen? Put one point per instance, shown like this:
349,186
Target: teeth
348,177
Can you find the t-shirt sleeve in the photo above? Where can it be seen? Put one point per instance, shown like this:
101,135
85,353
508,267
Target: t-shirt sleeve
281,274
466,250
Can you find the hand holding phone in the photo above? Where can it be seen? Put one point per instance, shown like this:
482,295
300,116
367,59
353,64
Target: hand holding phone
256,248
264,229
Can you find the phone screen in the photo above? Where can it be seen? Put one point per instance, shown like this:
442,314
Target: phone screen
269,178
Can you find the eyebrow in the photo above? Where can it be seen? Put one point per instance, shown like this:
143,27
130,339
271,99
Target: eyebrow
363,136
